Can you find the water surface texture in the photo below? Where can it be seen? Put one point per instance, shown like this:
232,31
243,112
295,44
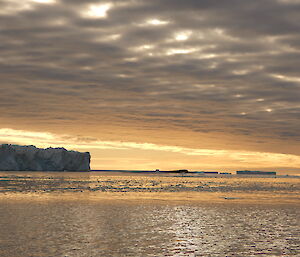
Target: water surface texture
62,214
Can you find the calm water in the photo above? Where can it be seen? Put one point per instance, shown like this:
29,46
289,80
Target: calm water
89,227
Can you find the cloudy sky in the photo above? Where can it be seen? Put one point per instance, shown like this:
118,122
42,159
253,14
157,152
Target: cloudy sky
197,84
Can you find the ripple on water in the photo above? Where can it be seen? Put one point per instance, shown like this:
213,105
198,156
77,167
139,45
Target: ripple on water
70,228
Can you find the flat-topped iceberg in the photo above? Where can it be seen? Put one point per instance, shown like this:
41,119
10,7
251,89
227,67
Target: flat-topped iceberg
31,158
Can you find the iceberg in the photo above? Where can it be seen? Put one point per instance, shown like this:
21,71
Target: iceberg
31,158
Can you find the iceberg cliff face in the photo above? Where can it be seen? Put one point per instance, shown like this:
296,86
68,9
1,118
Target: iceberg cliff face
31,158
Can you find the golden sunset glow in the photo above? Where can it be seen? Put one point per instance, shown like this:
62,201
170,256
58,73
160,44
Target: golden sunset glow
149,128
191,158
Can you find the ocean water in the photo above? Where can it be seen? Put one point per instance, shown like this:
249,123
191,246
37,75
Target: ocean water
75,214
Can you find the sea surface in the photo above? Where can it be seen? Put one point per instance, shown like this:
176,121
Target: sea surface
105,214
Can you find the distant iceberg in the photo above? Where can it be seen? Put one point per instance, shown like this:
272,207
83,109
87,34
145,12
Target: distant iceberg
31,158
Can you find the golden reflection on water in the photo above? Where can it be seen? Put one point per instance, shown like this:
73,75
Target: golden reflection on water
100,214
150,187
119,228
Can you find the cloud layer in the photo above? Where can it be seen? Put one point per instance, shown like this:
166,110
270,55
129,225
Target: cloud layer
197,74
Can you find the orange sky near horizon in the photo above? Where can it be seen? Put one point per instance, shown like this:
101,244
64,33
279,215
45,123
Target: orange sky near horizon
149,156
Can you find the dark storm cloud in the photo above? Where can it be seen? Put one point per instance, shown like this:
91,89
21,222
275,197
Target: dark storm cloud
228,66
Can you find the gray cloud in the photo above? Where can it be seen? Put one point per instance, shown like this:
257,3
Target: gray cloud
237,72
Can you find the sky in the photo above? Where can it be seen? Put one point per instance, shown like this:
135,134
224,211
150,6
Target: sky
160,84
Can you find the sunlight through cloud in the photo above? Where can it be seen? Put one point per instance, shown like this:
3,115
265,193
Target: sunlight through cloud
157,22
44,1
153,22
183,36
16,6
286,78
180,51
98,11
